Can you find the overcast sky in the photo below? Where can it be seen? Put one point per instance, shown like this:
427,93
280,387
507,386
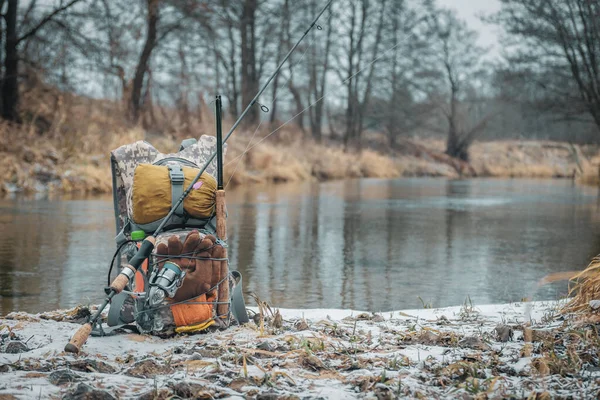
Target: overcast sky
470,10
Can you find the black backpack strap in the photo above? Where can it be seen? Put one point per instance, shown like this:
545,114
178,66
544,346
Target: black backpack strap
238,306
115,316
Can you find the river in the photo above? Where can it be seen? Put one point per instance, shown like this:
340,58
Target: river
369,244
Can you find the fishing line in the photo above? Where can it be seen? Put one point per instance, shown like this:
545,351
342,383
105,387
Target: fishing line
325,95
248,148
266,109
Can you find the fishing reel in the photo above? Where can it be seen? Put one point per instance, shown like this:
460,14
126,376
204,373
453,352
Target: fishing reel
164,283
151,313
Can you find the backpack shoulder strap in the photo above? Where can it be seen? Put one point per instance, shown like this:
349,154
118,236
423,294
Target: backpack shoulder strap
238,306
177,180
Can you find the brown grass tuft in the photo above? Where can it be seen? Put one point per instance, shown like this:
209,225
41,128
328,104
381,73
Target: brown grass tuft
586,287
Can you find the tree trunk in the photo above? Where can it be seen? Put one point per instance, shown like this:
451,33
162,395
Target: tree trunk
249,73
233,101
138,81
317,84
284,25
348,136
299,107
10,83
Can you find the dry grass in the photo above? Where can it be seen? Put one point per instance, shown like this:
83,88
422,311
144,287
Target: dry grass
294,160
519,159
586,287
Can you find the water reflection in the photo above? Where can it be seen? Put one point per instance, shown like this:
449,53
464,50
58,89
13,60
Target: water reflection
382,244
362,244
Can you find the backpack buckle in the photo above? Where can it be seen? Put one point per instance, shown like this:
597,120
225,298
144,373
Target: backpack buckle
176,174
177,179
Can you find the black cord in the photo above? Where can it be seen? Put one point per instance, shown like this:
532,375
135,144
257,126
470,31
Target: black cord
112,263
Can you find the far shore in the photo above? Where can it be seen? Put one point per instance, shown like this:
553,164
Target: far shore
45,169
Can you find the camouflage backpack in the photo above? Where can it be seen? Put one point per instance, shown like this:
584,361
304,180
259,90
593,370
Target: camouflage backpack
203,292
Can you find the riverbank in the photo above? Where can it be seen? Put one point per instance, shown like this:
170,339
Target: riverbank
464,352
59,165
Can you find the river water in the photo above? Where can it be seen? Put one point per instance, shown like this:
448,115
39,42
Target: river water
367,244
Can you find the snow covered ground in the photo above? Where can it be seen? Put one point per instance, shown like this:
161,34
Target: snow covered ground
459,352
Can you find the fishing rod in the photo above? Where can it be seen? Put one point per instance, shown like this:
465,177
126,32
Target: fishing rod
145,250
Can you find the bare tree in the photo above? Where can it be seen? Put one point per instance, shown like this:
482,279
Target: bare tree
10,79
152,8
319,67
459,60
364,43
249,68
560,41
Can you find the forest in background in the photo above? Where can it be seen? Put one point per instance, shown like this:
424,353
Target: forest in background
81,77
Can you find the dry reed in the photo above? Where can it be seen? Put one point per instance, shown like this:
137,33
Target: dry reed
585,287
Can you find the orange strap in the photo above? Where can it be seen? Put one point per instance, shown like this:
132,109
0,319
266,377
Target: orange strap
139,278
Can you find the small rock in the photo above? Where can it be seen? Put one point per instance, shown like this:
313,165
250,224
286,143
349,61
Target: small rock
594,304
301,325
383,392
311,362
16,347
506,369
427,338
238,383
265,346
85,392
364,316
189,390
4,368
147,369
209,352
92,366
474,342
195,357
504,333
378,318
162,394
268,396
63,376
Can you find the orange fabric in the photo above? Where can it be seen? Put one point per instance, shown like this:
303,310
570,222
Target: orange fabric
188,314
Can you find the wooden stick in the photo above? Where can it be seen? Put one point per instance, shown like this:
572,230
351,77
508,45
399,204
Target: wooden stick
222,309
221,216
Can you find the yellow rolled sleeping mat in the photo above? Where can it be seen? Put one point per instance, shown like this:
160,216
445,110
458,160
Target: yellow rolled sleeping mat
152,194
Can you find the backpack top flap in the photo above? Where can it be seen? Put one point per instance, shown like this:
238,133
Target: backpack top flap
125,158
